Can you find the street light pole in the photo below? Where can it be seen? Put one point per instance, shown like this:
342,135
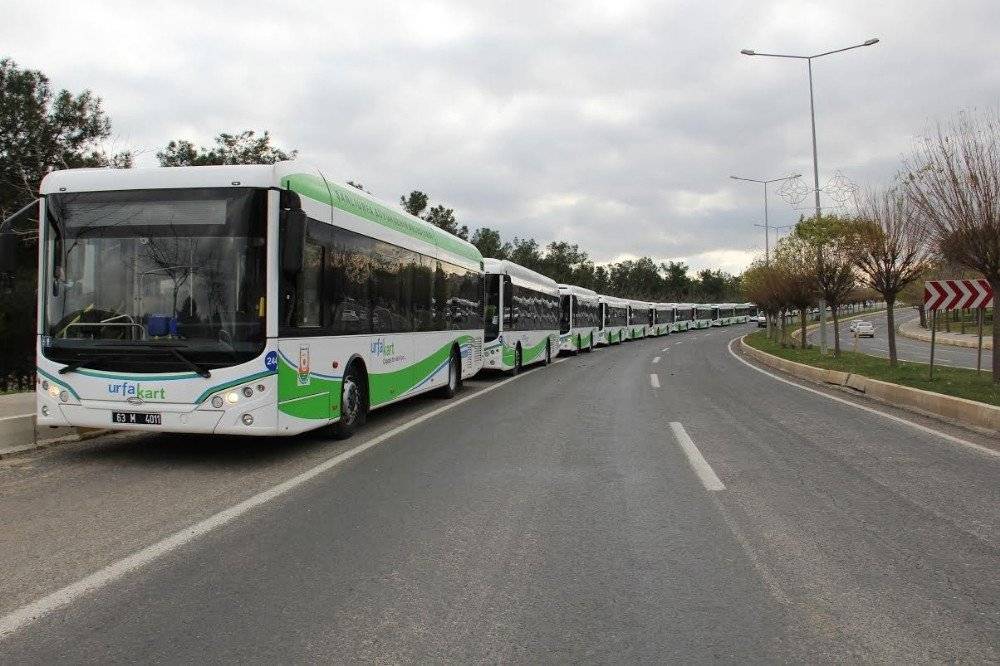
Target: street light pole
767,239
812,117
767,242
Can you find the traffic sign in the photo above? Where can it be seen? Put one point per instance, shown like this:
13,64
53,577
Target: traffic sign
955,294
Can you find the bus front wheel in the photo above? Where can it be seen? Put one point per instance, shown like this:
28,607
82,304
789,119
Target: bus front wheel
353,403
454,376
518,361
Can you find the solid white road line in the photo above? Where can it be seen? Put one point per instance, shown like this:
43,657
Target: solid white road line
25,615
665,349
656,359
892,417
680,342
16,416
654,380
696,460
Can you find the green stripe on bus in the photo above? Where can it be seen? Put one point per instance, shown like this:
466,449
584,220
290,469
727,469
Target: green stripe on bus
320,398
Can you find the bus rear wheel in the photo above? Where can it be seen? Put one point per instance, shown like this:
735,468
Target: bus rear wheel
353,404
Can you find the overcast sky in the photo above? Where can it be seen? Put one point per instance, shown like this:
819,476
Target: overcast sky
612,124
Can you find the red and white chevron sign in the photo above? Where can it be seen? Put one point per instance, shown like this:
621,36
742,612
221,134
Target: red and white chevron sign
954,294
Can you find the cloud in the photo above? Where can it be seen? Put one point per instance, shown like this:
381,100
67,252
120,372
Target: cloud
611,125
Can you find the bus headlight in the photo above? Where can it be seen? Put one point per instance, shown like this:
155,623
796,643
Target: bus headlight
217,401
232,397
45,410
248,391
247,419
64,396
53,391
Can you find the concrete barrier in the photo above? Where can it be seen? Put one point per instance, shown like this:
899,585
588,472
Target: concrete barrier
911,329
957,410
18,432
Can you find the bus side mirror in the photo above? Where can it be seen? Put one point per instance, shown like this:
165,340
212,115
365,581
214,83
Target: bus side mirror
293,239
8,252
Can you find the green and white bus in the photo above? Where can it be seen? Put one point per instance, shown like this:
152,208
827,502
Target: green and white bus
522,317
744,311
663,319
579,318
727,314
704,314
246,300
614,320
683,314
640,318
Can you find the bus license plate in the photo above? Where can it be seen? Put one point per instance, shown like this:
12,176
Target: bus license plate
135,418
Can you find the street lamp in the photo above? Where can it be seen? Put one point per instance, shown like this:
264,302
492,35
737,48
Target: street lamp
767,242
812,116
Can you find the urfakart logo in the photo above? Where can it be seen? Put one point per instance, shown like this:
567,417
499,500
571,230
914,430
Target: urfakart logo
382,348
387,350
136,390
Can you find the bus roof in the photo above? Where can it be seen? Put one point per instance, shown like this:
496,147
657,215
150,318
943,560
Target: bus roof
614,300
579,291
521,276
298,177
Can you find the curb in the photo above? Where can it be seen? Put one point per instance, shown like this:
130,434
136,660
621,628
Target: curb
911,329
961,410
81,435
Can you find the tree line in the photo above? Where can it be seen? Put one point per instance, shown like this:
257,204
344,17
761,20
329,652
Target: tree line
43,129
940,216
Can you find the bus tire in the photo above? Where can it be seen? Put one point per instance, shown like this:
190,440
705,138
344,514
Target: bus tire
353,402
518,361
454,383
548,354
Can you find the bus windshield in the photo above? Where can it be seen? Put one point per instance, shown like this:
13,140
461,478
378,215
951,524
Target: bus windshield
564,319
155,280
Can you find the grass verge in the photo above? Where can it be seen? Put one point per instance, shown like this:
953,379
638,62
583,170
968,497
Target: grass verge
958,382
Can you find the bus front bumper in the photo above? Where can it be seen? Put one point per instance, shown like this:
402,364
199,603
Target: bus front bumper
262,418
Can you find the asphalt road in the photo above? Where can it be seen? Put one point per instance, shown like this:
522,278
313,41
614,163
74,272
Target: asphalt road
906,348
556,517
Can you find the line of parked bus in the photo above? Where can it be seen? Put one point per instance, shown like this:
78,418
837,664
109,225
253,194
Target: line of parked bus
516,335
270,300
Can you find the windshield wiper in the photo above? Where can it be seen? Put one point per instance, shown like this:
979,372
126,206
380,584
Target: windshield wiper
78,363
134,346
200,369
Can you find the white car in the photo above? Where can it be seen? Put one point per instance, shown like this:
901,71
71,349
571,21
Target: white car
761,321
863,329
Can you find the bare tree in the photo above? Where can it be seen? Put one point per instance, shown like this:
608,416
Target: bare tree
889,245
953,180
795,261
